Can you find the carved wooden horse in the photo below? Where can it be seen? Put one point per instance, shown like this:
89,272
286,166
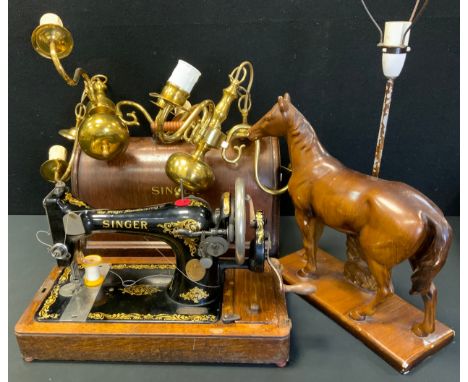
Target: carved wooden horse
392,221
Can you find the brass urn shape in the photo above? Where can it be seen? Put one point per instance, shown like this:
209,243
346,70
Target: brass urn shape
102,135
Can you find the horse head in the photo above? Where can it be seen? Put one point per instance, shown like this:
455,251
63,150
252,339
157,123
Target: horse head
275,123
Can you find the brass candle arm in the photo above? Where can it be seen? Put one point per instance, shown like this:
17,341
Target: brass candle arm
52,40
79,72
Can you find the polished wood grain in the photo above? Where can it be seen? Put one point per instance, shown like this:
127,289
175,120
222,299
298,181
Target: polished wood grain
387,332
137,178
257,337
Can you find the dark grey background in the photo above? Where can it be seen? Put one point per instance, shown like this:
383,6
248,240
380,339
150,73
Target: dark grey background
321,351
323,52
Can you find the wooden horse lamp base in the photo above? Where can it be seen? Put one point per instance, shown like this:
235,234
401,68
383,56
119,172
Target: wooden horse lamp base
335,296
386,223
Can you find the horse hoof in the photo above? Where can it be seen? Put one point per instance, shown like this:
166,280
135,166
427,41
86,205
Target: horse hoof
420,331
357,315
306,274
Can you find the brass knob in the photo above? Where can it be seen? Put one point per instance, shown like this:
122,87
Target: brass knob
194,173
102,135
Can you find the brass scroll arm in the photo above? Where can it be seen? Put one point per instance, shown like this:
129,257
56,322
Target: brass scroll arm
52,40
134,120
239,131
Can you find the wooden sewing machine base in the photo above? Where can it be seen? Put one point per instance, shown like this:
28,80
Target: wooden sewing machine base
388,332
261,335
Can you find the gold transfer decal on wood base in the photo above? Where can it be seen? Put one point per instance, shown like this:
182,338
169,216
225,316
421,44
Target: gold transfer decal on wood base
159,317
44,312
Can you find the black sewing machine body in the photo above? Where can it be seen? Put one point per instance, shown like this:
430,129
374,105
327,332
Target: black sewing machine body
189,290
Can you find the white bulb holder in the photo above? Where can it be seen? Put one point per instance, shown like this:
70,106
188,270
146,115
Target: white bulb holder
394,47
50,18
184,76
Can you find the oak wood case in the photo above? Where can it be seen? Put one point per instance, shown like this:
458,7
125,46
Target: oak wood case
258,337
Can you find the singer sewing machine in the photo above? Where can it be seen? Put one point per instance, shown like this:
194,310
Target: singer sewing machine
200,298
159,308
187,291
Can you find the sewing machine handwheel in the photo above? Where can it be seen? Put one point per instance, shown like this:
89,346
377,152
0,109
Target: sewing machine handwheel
239,220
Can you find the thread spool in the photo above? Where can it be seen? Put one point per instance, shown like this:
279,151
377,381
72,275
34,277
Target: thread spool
92,276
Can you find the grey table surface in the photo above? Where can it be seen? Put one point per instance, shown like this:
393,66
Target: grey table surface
320,349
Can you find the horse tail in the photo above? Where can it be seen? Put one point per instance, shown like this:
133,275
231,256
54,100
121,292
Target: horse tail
431,257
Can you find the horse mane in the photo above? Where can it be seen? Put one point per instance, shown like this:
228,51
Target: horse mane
302,132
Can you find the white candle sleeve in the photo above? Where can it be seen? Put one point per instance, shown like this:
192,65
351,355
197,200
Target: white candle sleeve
184,76
58,152
50,18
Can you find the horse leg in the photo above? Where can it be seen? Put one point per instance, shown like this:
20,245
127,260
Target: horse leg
311,230
356,270
427,326
382,276
317,234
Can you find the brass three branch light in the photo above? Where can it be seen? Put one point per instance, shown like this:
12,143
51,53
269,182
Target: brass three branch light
101,127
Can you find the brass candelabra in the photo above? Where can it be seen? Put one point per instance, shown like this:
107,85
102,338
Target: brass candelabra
102,128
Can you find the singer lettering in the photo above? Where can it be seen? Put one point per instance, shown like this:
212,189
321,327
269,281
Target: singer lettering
130,224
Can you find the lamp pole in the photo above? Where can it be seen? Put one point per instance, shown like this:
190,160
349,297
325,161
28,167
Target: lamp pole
394,44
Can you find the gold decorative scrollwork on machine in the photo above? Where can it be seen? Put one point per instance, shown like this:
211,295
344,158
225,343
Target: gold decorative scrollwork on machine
101,127
143,266
140,290
189,225
72,200
195,295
